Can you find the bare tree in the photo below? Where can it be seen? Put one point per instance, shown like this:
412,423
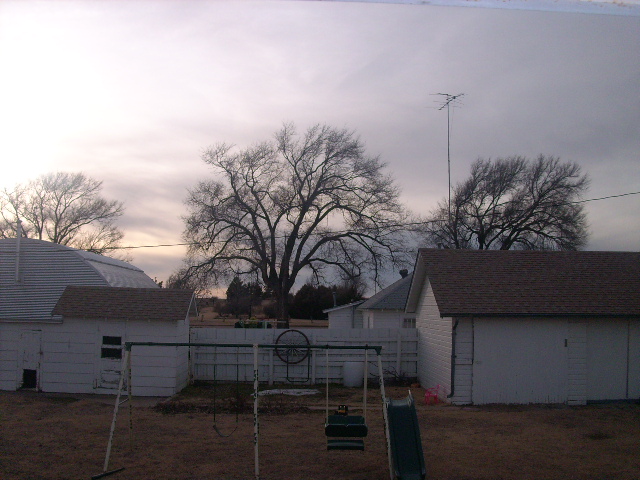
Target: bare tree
64,208
514,203
313,202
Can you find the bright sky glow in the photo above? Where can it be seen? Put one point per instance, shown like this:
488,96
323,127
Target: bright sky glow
132,92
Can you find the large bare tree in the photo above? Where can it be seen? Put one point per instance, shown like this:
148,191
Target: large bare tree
64,208
513,203
300,203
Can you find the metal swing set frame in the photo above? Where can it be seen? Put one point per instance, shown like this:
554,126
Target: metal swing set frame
339,426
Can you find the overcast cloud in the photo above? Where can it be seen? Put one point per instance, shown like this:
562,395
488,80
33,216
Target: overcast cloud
132,92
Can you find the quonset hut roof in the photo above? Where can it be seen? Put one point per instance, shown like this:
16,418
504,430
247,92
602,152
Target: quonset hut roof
34,273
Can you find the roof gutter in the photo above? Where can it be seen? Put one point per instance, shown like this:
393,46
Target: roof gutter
544,315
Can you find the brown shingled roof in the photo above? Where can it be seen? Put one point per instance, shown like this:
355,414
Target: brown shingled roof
124,303
499,282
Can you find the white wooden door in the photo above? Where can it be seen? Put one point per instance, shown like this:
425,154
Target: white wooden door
607,353
29,359
520,361
111,338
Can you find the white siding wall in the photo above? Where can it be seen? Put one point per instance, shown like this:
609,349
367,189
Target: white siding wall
613,359
577,351
634,359
434,343
9,343
70,356
158,371
520,360
342,318
385,318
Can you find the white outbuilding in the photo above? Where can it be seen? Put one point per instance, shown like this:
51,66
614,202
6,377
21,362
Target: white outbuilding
528,326
386,309
76,348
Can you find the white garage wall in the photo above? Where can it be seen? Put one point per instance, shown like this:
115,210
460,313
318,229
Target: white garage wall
434,343
613,359
520,361
634,359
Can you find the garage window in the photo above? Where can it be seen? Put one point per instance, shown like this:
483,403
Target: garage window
111,347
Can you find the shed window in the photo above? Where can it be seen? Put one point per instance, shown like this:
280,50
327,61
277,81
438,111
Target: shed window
409,323
111,347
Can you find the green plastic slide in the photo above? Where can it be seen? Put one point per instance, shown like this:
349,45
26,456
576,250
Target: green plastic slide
405,442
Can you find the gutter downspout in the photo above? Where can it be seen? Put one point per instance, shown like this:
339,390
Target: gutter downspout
453,358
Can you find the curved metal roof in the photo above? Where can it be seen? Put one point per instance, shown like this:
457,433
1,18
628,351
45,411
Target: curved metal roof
32,280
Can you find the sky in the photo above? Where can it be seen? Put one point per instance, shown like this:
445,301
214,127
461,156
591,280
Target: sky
131,93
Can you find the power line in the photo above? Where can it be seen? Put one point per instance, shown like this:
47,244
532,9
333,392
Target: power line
408,224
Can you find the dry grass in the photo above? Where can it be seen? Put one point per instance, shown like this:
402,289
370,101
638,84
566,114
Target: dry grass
46,436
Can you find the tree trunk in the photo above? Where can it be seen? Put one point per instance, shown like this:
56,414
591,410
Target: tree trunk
283,310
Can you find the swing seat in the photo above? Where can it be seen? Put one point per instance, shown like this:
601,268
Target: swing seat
345,426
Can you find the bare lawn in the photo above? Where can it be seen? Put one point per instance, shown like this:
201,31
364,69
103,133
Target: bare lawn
55,436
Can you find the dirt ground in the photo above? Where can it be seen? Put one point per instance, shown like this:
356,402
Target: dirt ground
56,436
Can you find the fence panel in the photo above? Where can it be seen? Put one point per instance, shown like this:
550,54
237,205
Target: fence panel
399,354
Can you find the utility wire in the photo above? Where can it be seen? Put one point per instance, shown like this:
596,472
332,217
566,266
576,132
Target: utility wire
408,224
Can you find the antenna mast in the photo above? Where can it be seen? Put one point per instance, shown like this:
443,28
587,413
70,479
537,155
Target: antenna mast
448,100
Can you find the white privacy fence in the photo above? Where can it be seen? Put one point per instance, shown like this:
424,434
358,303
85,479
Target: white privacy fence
399,354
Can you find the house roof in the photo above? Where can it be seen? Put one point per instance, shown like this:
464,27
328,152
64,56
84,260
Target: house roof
394,297
34,274
531,283
119,303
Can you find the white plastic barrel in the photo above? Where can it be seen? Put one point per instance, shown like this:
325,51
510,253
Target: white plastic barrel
353,374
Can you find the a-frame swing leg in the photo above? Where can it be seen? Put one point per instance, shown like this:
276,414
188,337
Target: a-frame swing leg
123,371
385,416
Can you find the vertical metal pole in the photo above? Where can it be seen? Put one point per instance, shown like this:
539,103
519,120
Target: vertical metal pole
115,409
366,375
327,387
449,155
256,427
130,387
385,415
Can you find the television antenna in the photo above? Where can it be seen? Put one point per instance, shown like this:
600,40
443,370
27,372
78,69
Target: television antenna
448,100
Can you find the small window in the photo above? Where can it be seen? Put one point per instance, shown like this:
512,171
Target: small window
111,347
111,353
409,323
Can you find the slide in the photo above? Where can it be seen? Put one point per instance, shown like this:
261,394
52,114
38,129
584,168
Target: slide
404,435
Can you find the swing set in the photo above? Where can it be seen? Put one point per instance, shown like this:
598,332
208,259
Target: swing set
343,431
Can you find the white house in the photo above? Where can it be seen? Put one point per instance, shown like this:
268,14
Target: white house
528,326
386,309
43,349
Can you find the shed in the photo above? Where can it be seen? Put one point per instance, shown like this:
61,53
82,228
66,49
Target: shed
99,320
528,326
36,344
386,309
